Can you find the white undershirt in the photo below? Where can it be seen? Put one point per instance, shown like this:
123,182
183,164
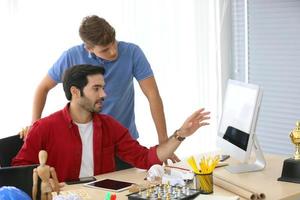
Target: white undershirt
87,159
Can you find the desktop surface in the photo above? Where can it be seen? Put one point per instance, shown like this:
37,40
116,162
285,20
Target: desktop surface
130,175
264,181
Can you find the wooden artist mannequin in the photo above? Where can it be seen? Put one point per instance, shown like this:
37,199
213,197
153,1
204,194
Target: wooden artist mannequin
48,177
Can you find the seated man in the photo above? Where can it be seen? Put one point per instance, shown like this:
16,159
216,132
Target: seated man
80,142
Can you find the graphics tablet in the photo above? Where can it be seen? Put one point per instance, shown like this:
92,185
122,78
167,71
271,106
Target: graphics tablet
109,184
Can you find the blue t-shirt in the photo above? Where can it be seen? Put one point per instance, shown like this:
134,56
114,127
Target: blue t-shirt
131,62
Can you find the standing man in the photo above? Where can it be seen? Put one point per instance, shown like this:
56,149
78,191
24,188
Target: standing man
122,62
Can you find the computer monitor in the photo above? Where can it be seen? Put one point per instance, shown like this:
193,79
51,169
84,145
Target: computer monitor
236,134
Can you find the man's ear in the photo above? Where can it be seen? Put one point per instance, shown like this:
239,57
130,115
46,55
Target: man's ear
75,91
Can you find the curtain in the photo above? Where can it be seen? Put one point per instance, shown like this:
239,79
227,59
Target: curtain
181,39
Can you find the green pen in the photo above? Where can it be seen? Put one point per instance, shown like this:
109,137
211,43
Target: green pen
107,196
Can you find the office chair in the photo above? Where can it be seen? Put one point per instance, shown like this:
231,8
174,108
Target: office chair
9,147
19,177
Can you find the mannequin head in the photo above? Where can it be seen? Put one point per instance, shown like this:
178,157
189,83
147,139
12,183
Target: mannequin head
43,155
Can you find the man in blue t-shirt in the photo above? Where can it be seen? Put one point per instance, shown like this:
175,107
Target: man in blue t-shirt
122,62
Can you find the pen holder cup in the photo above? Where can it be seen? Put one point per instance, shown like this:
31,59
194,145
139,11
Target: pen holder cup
204,183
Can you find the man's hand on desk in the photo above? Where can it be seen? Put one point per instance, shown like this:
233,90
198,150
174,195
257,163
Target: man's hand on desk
173,158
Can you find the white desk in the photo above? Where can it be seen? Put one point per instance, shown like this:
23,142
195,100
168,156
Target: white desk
265,181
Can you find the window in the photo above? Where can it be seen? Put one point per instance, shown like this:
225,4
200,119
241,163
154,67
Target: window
273,41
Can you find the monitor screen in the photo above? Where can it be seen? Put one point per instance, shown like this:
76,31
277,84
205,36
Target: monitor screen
238,119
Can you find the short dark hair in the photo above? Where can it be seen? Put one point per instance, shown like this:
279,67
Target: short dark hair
95,30
77,76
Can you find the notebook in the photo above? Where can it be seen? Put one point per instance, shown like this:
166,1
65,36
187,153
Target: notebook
19,176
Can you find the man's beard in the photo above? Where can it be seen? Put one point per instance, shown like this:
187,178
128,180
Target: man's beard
91,107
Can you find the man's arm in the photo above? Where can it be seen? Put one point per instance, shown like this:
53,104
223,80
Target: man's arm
40,97
39,101
150,90
193,123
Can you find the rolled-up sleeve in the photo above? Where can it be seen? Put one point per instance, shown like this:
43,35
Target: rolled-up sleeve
152,156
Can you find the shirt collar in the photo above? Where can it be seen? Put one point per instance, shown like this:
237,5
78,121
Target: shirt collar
93,56
67,115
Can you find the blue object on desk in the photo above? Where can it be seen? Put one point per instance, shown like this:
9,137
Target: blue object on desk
12,193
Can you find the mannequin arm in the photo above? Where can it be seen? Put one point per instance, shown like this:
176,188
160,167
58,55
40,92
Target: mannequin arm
35,184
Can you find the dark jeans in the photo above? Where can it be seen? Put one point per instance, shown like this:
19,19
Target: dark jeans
120,164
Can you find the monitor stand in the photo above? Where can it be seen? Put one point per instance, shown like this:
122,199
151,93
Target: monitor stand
258,165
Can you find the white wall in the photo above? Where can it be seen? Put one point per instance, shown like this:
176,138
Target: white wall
178,37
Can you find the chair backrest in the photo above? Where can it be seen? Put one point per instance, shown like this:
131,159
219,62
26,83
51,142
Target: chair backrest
9,147
19,176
